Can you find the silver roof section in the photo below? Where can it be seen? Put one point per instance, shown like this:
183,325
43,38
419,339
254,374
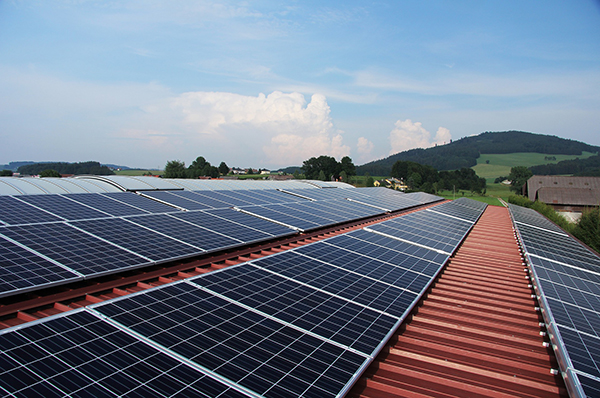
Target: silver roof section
37,186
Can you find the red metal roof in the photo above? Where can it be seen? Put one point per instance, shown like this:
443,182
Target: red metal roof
477,333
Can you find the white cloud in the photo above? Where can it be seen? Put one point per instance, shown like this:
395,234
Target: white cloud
408,135
364,147
241,125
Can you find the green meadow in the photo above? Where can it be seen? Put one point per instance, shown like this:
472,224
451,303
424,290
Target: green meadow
500,164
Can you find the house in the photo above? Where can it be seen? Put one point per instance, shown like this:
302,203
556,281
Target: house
564,193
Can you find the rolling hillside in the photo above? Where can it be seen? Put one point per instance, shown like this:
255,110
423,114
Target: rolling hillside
467,152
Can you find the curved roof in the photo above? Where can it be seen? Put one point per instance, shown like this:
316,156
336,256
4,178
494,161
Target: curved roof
144,183
35,186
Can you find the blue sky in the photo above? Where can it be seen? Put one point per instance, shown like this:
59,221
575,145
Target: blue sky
272,83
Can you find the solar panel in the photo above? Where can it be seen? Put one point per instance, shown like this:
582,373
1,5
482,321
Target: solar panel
174,199
557,247
253,198
106,204
223,226
249,221
151,206
346,283
264,355
428,229
567,282
81,355
393,268
303,306
459,212
322,209
271,212
531,217
15,212
219,200
186,232
390,250
138,239
75,249
63,207
22,270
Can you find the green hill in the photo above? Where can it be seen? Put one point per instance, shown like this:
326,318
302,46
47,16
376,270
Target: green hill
468,152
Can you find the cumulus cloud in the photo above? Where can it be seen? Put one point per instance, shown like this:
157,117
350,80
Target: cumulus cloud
292,129
364,147
408,135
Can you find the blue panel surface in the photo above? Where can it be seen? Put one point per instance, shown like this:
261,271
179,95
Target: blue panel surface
175,199
63,207
106,204
15,212
303,306
21,270
81,355
259,353
186,232
138,239
149,205
73,248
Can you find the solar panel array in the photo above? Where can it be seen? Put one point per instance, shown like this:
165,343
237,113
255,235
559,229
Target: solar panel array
304,323
86,235
566,276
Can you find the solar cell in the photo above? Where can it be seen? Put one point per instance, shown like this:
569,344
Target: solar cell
343,282
15,212
174,199
392,268
21,270
219,200
261,354
270,212
63,207
567,282
249,221
531,217
74,248
556,247
151,206
459,212
303,306
106,204
138,239
81,355
223,226
186,232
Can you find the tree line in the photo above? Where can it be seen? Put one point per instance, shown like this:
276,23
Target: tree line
426,178
65,168
198,168
326,168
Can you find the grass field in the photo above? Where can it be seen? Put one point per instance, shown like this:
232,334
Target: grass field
500,164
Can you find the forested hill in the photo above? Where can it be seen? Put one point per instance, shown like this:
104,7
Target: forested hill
465,151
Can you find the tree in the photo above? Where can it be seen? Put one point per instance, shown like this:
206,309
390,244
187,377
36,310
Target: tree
313,166
50,173
322,176
343,176
175,169
369,180
587,229
518,177
6,173
223,168
347,166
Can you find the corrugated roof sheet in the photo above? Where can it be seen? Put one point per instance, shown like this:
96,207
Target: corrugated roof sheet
477,333
569,196
536,183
